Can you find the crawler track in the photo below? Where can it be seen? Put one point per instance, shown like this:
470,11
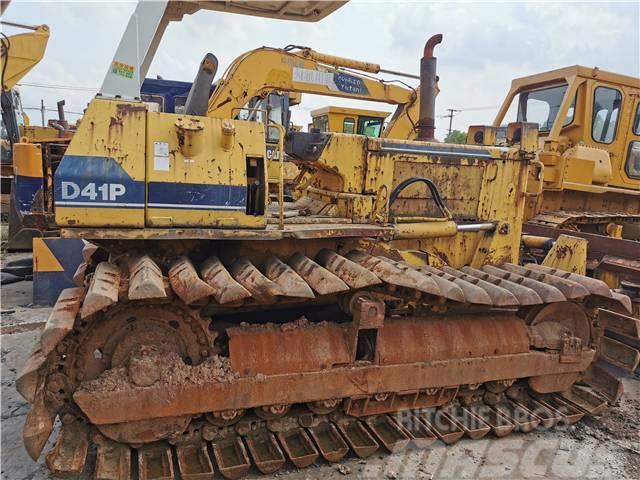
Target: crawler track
205,365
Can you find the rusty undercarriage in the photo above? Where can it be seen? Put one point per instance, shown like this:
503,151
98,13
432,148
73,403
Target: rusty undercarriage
377,353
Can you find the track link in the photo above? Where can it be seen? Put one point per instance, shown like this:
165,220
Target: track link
303,438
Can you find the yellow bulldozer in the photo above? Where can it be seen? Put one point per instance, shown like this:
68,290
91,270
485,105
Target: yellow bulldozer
213,329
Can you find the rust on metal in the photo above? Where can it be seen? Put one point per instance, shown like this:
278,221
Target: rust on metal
500,296
408,340
349,272
145,279
525,295
388,432
260,287
442,425
58,326
225,288
298,447
619,354
68,456
569,288
265,451
472,293
173,395
155,463
320,279
103,289
287,279
186,283
113,460
309,347
548,293
358,437
194,462
329,441
231,457
37,426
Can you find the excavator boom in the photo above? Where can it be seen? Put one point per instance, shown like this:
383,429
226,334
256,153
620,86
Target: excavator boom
22,52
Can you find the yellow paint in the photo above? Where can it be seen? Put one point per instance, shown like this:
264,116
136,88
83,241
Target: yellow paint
27,49
43,258
568,253
27,160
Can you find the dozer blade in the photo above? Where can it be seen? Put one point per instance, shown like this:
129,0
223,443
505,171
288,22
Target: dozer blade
37,426
331,445
145,279
393,275
500,296
194,462
525,295
569,288
260,287
59,324
185,281
501,426
225,288
298,447
593,285
548,293
390,435
103,289
358,437
474,427
584,399
155,463
524,420
349,272
417,431
113,461
287,279
265,451
607,384
619,354
231,457
472,293
68,456
442,425
319,278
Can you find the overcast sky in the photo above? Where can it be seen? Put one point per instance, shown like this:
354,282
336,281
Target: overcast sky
486,44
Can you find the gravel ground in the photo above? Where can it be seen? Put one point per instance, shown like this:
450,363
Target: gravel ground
605,447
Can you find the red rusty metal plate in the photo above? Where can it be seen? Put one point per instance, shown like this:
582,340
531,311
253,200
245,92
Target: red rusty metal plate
300,346
409,340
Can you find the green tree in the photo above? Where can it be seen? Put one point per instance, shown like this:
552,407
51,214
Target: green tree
456,136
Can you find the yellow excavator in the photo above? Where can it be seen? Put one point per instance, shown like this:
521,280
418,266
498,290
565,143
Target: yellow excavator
359,121
19,54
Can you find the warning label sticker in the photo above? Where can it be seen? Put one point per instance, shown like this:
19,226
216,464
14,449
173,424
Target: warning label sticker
122,69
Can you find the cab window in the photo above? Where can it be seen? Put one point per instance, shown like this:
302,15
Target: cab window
632,167
369,126
321,123
348,125
606,108
541,106
636,121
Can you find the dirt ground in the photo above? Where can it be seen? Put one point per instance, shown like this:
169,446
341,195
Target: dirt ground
605,447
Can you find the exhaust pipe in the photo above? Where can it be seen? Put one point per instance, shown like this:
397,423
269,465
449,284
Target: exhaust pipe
198,98
428,81
61,120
